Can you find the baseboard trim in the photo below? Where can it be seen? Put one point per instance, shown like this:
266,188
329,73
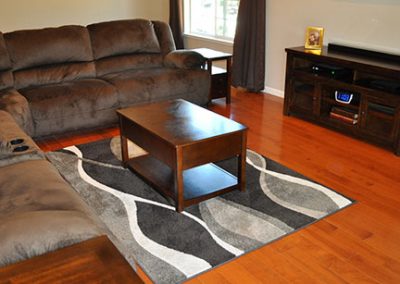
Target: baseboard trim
274,92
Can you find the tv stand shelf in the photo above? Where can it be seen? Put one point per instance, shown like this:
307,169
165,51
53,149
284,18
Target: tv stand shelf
350,90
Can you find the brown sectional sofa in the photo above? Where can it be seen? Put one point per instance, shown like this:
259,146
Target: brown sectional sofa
56,80
62,79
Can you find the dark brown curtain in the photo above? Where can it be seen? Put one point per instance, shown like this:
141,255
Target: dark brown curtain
176,21
248,68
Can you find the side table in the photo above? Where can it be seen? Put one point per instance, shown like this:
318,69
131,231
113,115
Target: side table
220,78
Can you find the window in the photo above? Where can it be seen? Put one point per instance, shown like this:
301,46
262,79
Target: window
211,18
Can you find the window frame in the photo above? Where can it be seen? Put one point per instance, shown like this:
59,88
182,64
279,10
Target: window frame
187,26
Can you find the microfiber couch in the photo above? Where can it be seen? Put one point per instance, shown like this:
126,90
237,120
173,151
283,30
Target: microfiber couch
57,80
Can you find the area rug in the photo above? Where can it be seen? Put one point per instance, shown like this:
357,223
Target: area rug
172,247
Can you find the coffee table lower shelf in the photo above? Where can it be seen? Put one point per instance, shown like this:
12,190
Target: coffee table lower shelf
200,183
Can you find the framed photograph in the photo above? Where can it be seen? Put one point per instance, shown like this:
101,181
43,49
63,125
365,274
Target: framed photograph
314,37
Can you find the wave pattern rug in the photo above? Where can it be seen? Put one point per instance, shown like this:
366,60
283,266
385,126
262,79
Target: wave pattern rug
172,247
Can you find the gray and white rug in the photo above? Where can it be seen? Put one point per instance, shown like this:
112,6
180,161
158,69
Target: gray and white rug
172,247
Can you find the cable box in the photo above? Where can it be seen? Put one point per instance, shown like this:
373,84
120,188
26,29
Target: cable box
331,71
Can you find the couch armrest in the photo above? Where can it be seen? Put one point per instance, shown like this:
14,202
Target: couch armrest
15,145
184,59
16,104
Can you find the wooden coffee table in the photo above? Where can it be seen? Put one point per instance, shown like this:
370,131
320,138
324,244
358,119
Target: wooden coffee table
183,141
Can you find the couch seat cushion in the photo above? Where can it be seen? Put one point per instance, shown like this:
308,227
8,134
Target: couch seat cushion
40,212
71,105
35,185
156,84
29,234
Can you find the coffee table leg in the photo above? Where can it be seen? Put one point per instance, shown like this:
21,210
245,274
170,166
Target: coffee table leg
242,165
124,151
179,200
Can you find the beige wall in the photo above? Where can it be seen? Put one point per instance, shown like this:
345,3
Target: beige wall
367,23
25,14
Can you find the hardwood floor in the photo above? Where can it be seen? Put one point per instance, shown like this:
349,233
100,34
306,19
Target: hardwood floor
360,244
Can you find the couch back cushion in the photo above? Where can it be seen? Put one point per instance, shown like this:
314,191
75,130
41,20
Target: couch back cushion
6,79
123,37
124,44
50,55
165,37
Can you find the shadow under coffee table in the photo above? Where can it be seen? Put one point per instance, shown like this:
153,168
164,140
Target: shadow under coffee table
183,140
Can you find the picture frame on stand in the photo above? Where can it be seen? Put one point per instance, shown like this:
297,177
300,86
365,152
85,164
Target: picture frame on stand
314,38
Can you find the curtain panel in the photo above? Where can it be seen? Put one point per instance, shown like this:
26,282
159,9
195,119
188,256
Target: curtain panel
176,21
248,68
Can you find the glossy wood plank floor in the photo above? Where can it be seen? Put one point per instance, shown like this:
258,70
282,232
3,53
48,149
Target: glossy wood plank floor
360,244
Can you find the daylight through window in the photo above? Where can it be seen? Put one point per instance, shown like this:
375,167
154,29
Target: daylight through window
211,18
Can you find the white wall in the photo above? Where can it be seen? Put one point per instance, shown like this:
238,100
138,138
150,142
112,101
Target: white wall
27,14
368,23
